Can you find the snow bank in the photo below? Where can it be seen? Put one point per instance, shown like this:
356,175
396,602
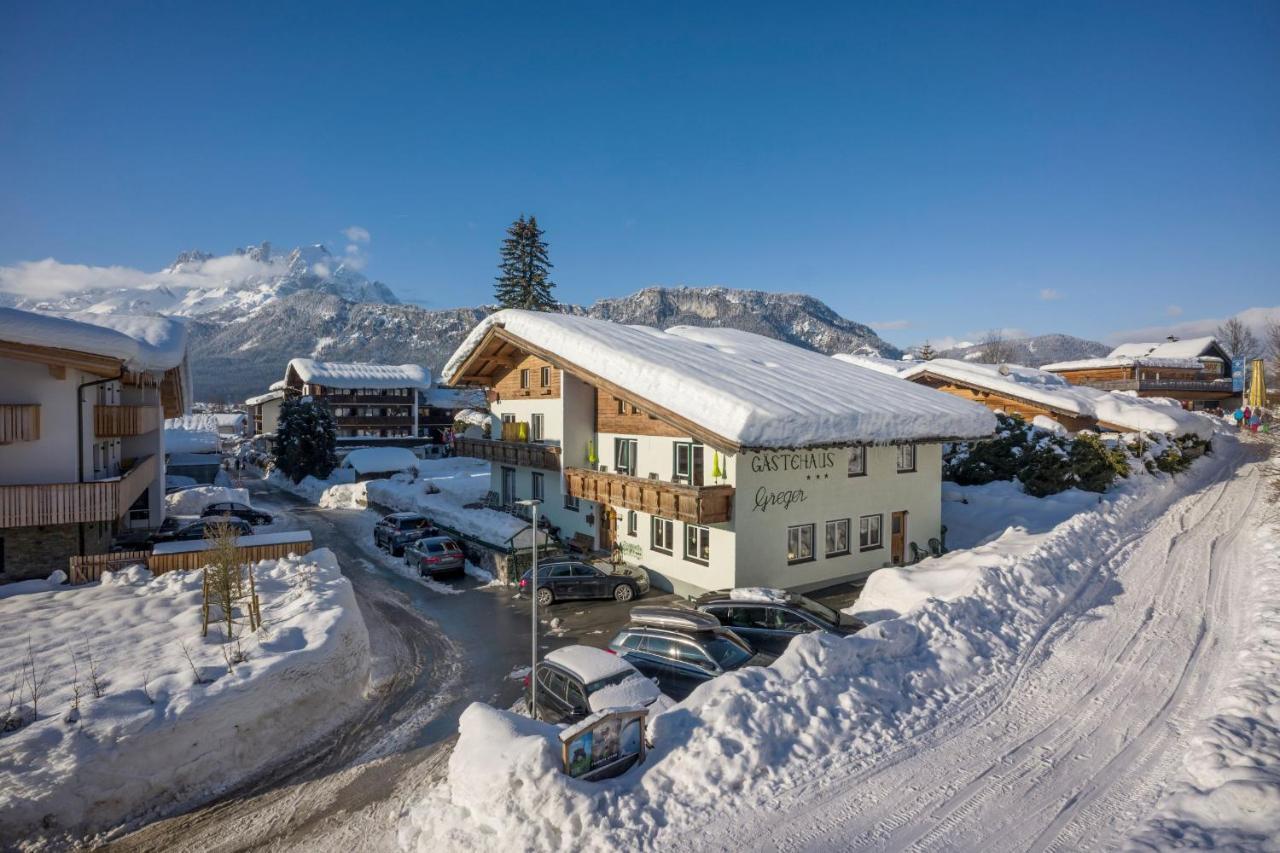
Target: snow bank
752,390
759,730
193,501
155,740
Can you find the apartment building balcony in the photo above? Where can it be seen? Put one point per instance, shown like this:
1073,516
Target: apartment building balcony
69,503
692,504
374,420
524,454
366,399
120,421
19,422
1216,386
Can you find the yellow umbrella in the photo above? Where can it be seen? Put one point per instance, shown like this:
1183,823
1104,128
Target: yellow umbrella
1257,384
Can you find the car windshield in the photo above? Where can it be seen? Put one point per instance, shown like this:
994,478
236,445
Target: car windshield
820,611
610,680
726,652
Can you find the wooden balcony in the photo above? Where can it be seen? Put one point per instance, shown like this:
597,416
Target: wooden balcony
119,421
692,504
19,422
516,453
69,503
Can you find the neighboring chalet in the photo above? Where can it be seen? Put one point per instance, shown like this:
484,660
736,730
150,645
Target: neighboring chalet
265,409
1195,372
82,455
715,458
1040,397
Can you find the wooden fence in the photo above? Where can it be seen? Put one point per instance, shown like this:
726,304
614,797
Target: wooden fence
90,568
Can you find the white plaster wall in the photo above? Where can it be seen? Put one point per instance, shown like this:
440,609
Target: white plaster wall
51,459
675,572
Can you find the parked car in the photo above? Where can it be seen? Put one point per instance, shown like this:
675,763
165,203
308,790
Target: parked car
681,648
237,510
563,580
202,529
577,681
769,619
435,555
397,530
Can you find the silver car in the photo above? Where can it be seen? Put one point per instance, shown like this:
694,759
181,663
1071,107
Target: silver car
435,555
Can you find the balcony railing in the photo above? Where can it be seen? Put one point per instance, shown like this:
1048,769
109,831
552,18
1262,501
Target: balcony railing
374,420
1222,385
692,504
118,421
517,453
370,399
19,422
70,503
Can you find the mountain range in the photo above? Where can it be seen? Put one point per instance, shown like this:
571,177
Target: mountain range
249,312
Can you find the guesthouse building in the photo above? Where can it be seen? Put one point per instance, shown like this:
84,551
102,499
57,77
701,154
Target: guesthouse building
714,458
1196,372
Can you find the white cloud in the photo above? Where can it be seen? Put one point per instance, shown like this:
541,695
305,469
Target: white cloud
320,269
890,325
1048,294
1173,310
1254,318
50,278
357,234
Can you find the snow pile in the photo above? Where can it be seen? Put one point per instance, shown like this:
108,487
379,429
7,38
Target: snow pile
155,740
1229,796
193,501
755,732
380,460
751,390
333,374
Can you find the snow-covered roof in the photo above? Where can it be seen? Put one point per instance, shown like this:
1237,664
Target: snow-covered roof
1190,348
334,374
471,416
140,343
264,398
454,398
750,391
380,460
278,385
1124,361
191,434
875,362
589,664
284,537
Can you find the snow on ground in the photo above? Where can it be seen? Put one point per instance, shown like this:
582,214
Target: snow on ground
193,501
155,740
728,762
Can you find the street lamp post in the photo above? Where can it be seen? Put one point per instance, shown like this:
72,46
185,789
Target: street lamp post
533,609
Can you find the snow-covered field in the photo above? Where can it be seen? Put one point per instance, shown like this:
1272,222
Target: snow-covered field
1042,695
150,738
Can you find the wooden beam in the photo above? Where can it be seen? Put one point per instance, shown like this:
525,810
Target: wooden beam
61,358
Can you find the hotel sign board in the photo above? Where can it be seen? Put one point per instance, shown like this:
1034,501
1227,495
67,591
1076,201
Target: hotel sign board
1237,374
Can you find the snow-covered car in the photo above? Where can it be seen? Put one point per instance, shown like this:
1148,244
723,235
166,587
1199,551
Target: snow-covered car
238,510
435,555
577,681
397,530
769,619
681,648
570,579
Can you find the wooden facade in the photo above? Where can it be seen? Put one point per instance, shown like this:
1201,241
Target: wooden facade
118,421
518,453
692,504
512,383
620,415
89,568
71,503
19,422
1026,409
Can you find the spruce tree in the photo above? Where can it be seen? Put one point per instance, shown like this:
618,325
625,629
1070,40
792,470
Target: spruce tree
305,440
523,281
927,352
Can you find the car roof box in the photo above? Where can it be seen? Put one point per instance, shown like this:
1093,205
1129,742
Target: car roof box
675,618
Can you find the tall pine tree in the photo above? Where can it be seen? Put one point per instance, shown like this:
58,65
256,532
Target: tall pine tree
306,438
927,352
523,282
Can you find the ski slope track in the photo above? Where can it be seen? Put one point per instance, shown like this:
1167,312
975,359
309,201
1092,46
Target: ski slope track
1072,746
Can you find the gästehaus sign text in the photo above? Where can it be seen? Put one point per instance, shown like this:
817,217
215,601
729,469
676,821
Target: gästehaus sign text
808,460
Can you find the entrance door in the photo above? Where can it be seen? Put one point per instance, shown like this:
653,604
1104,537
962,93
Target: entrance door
608,527
898,544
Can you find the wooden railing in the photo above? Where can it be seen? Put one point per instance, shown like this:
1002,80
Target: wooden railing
1223,385
115,421
519,453
70,503
19,422
89,569
693,504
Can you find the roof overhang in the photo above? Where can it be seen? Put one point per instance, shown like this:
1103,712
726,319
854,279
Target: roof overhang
1057,410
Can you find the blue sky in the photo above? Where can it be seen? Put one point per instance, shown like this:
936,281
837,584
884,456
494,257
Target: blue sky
938,169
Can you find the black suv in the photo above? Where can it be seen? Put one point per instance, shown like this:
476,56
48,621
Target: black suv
576,681
237,510
681,648
566,579
770,619
395,531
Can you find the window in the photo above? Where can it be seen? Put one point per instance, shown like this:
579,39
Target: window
663,533
524,378
687,465
697,543
906,457
869,532
508,418
622,406
535,427
635,410
857,461
544,377
800,543
624,456
537,486
633,522
838,537
570,502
